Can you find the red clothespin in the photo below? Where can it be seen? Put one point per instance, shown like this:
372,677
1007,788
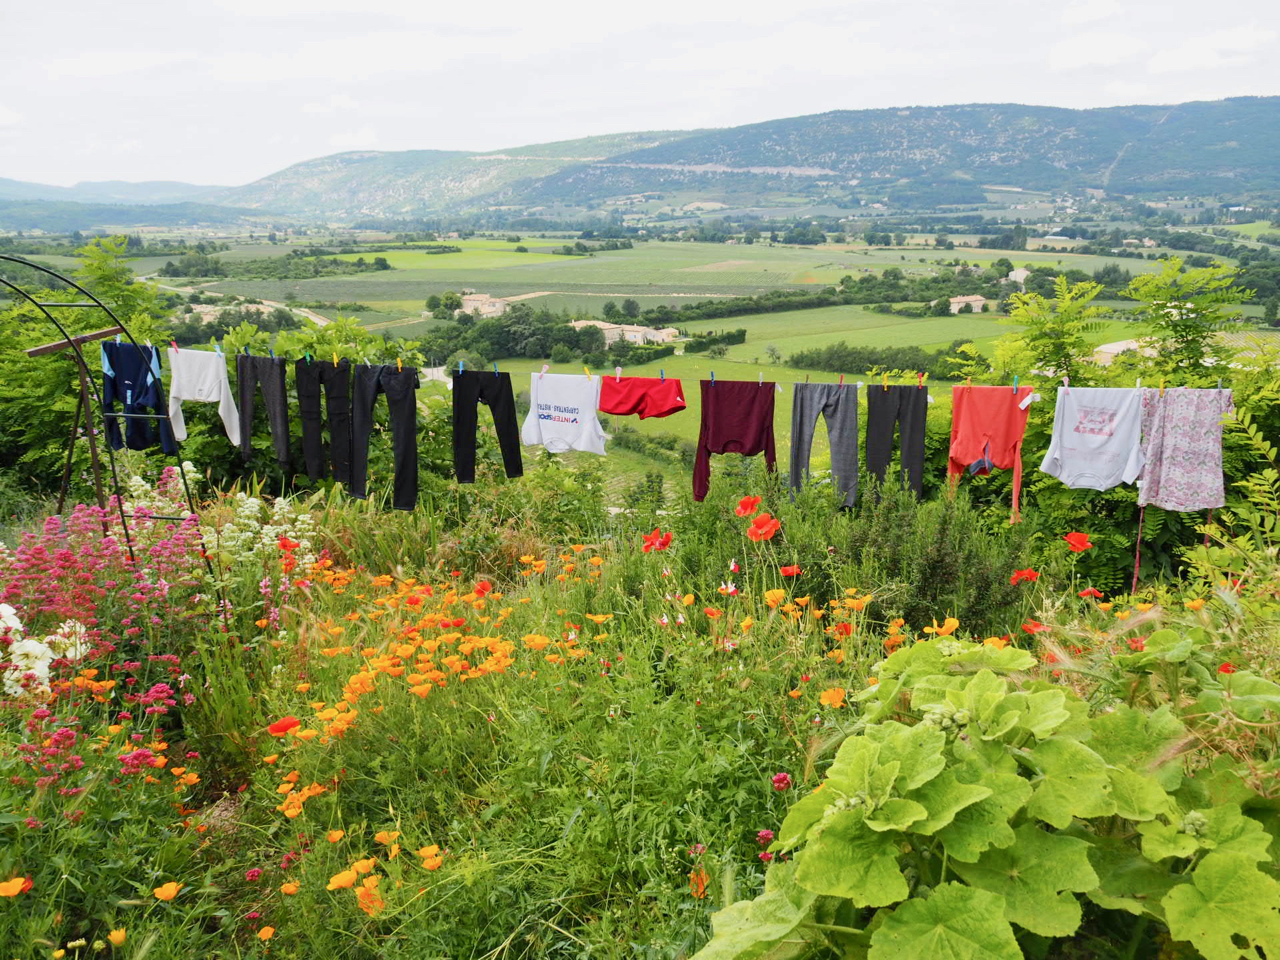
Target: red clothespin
919,380
174,344
543,372
1066,384
841,380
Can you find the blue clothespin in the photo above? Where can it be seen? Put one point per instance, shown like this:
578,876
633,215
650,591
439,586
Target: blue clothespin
217,349
459,366
1015,383
246,349
117,338
495,368
713,378
272,352
662,375
308,356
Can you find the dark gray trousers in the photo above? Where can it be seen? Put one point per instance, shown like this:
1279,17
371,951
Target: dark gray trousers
838,404
267,372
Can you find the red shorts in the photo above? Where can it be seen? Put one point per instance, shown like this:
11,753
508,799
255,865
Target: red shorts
646,396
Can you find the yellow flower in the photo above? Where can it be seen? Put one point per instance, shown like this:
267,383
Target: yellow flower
167,891
832,697
596,561
837,655
774,597
266,933
1144,607
342,881
117,937
527,558
302,687
687,599
801,601
114,728
289,889
1195,604
386,836
364,866
747,624
1123,614
599,617
947,629
271,759
59,954
1104,607
998,642
333,836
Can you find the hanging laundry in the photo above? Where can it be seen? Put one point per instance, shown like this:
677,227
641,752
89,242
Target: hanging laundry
906,408
131,375
400,386
838,405
562,413
987,426
1097,434
311,376
643,396
268,373
201,376
1182,444
737,417
494,390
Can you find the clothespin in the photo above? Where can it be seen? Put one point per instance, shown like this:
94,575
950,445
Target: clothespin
884,381
1138,384
713,378
1162,386
968,382
399,365
662,375
806,378
307,356
762,378
272,352
460,366
1219,383
1066,384
117,338
543,372
495,368
1015,383
617,374
217,348
920,381
586,371
174,344
335,358
246,349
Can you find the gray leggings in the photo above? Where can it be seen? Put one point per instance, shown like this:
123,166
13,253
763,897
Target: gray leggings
839,405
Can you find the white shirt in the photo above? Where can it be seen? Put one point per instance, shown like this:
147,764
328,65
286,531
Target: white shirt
563,413
201,376
1097,437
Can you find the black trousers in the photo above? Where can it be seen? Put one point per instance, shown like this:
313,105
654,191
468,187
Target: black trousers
268,373
400,386
905,407
471,388
310,376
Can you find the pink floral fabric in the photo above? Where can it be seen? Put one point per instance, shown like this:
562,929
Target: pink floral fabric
1182,445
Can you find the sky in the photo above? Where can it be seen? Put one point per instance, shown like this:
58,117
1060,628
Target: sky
227,91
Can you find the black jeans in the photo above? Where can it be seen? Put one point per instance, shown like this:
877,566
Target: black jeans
311,376
267,372
906,407
471,388
400,386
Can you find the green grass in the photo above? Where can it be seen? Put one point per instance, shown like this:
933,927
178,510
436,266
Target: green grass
1253,230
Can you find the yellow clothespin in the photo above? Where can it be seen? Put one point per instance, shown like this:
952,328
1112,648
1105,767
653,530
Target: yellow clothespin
399,365
586,371
884,381
1162,386
335,358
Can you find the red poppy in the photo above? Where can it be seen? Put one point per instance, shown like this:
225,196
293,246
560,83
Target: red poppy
1138,644
483,587
283,726
791,571
1078,542
747,506
1088,592
763,527
843,629
656,541
1028,575
287,544
1035,626
1227,667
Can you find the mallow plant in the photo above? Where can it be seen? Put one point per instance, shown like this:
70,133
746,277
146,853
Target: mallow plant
980,811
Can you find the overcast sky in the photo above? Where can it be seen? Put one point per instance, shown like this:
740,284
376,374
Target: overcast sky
144,90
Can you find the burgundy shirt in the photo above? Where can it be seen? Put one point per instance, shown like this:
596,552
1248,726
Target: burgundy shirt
737,417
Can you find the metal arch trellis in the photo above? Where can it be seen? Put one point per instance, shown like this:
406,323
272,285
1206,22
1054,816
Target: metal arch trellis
90,386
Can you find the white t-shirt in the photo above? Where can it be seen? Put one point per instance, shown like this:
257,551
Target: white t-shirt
562,413
201,376
1097,437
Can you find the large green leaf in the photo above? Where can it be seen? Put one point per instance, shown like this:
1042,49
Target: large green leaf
942,798
763,927
848,859
1075,783
985,824
895,814
1229,910
1127,880
955,923
1243,694
983,657
917,749
859,769
1042,712
1032,876
1137,797
1161,840
1228,830
804,813
1146,743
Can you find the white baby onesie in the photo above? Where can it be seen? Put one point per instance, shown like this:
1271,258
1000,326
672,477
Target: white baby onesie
562,413
201,376
1097,437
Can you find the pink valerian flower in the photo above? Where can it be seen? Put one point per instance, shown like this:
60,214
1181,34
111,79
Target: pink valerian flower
253,874
781,781
765,856
137,761
764,837
32,823
697,850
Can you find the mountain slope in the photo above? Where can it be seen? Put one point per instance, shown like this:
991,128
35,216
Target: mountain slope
414,182
106,191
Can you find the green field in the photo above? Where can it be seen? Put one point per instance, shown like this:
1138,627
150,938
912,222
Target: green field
1253,230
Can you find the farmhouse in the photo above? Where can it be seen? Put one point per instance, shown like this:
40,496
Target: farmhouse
631,332
1018,276
484,305
974,301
